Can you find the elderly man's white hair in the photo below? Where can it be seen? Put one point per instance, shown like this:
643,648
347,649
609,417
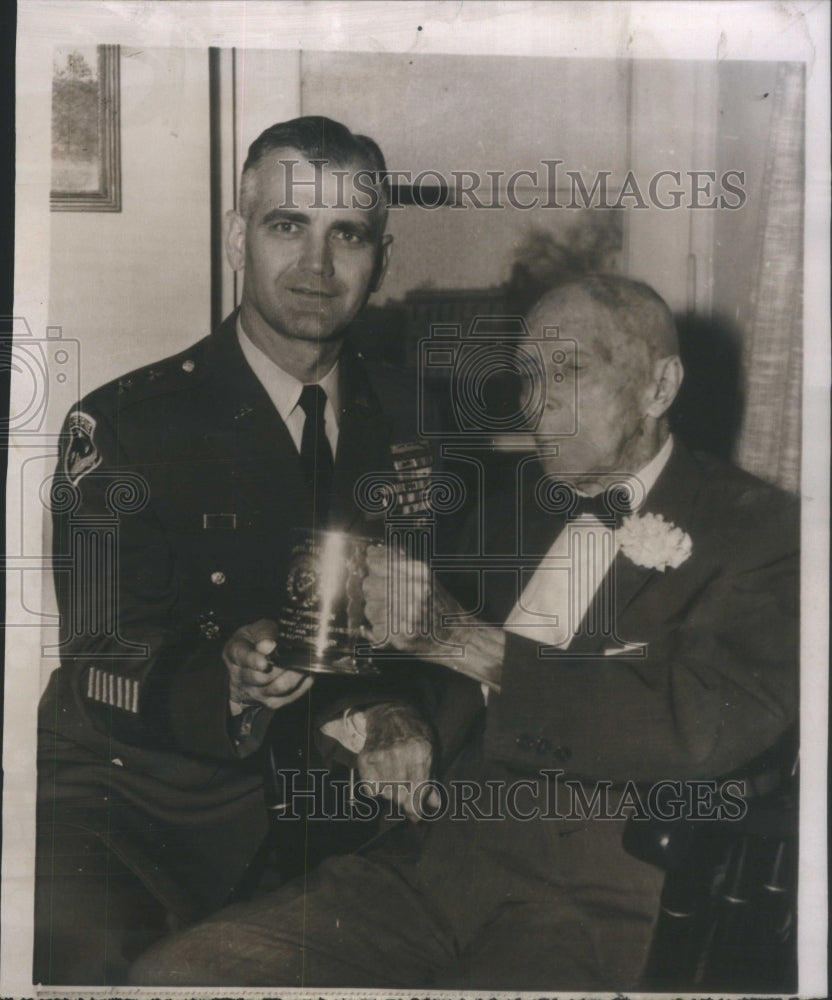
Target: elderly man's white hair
628,312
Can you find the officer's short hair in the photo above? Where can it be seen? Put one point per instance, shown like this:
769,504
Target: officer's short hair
316,138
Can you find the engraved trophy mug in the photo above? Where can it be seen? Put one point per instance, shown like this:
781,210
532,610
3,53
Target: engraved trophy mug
321,619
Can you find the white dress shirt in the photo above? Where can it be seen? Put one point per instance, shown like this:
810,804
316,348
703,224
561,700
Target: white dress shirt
284,391
559,591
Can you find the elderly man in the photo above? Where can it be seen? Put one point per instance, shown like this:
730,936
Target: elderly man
151,796
647,633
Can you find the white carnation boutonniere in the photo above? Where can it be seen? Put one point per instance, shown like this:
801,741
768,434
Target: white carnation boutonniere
651,541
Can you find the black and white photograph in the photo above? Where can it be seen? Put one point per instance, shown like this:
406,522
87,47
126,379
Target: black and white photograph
417,500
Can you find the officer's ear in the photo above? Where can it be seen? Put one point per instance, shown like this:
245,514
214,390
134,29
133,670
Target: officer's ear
385,248
234,235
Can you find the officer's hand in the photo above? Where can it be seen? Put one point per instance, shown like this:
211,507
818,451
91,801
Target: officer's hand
397,757
253,680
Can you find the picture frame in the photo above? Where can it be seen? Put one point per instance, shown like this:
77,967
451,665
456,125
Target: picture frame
86,130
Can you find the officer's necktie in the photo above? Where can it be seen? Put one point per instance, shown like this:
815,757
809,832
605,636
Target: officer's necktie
315,452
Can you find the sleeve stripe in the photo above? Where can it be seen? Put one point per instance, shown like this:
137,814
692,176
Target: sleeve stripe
113,689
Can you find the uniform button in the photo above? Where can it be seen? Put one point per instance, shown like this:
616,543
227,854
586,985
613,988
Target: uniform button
218,577
562,753
542,745
525,742
188,366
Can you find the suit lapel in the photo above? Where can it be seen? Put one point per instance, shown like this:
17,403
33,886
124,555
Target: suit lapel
674,497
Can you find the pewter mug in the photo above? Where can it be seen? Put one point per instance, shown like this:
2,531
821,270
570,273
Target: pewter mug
321,620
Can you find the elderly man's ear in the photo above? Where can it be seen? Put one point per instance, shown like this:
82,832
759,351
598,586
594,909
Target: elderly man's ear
667,377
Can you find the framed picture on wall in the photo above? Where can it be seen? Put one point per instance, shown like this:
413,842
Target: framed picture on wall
86,140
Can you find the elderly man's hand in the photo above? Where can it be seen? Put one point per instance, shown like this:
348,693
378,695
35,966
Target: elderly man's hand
407,610
405,604
253,678
397,757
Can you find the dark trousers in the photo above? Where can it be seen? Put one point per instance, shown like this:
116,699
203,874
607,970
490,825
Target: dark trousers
93,916
468,904
107,888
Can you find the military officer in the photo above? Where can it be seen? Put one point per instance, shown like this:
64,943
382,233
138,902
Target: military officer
177,489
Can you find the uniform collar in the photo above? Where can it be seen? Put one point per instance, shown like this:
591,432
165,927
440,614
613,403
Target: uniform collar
284,389
243,394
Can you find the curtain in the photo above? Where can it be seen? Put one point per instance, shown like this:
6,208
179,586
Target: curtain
769,439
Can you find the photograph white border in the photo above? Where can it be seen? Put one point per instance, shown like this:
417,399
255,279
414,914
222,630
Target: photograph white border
759,30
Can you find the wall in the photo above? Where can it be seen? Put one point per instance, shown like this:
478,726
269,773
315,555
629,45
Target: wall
672,124
449,113
133,286
745,102
480,113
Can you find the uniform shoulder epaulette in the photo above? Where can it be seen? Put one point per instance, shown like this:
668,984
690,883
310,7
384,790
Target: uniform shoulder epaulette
176,373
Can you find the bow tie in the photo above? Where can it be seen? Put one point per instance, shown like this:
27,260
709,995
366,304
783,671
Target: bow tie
610,506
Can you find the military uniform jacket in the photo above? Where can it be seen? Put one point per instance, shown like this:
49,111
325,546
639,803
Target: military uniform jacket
177,489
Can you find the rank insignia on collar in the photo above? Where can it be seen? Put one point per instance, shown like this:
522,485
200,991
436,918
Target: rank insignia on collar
82,455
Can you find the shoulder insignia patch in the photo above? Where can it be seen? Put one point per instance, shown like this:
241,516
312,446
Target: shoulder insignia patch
82,455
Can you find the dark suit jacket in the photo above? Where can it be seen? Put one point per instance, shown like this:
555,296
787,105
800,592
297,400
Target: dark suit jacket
202,482
716,681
